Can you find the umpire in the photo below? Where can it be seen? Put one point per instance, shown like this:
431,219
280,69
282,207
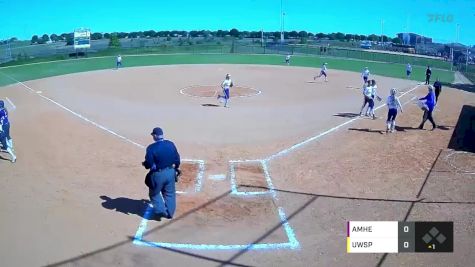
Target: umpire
428,74
163,162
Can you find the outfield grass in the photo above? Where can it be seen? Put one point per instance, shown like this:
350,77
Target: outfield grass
61,67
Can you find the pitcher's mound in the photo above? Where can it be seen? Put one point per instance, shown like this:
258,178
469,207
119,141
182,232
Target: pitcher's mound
214,90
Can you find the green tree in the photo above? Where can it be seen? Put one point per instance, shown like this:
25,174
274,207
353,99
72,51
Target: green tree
114,40
96,36
54,37
107,35
340,36
43,39
150,33
122,35
34,39
348,37
292,34
69,39
321,35
373,37
133,34
396,40
234,33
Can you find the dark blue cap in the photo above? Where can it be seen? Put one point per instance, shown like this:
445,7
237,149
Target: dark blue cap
157,131
2,104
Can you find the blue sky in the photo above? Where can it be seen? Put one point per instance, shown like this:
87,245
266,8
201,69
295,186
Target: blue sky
22,18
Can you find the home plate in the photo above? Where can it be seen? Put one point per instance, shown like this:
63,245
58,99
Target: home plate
217,177
39,92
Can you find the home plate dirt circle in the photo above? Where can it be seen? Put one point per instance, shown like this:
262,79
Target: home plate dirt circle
208,91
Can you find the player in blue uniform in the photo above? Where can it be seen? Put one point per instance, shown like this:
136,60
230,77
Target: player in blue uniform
5,139
430,102
163,162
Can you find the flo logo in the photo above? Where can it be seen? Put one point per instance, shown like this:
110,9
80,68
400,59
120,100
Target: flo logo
444,18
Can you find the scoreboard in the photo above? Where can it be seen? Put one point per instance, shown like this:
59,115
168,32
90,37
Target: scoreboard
395,237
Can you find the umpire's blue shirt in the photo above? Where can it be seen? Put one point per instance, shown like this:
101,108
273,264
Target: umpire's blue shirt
161,154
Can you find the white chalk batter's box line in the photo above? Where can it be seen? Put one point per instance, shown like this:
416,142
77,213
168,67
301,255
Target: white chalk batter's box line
260,163
199,175
292,242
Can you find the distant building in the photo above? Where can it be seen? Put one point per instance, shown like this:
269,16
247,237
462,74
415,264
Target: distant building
413,39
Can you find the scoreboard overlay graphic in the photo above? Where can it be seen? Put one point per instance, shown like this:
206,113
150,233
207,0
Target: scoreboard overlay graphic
395,237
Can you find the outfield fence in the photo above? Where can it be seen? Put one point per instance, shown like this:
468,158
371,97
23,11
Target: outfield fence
56,51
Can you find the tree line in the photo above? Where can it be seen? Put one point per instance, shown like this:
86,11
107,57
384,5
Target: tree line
68,37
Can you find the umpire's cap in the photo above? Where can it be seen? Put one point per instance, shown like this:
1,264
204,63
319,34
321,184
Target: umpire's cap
2,104
157,131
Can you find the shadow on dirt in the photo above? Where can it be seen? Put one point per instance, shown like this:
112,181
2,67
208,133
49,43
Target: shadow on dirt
346,115
463,138
125,205
210,105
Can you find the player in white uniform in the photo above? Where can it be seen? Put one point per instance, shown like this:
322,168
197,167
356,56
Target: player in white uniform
323,72
393,105
365,74
374,94
287,59
119,61
408,70
226,85
367,94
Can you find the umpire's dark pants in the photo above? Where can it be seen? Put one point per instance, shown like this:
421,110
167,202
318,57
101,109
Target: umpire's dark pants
427,116
427,79
437,93
162,193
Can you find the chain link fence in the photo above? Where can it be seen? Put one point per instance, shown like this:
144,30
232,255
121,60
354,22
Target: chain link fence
59,50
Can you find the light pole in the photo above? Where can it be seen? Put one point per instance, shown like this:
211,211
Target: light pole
382,32
281,22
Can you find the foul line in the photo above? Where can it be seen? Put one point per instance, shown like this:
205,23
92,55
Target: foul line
298,145
11,103
201,163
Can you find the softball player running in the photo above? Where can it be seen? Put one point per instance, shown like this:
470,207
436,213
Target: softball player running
374,94
226,85
367,94
393,105
323,72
